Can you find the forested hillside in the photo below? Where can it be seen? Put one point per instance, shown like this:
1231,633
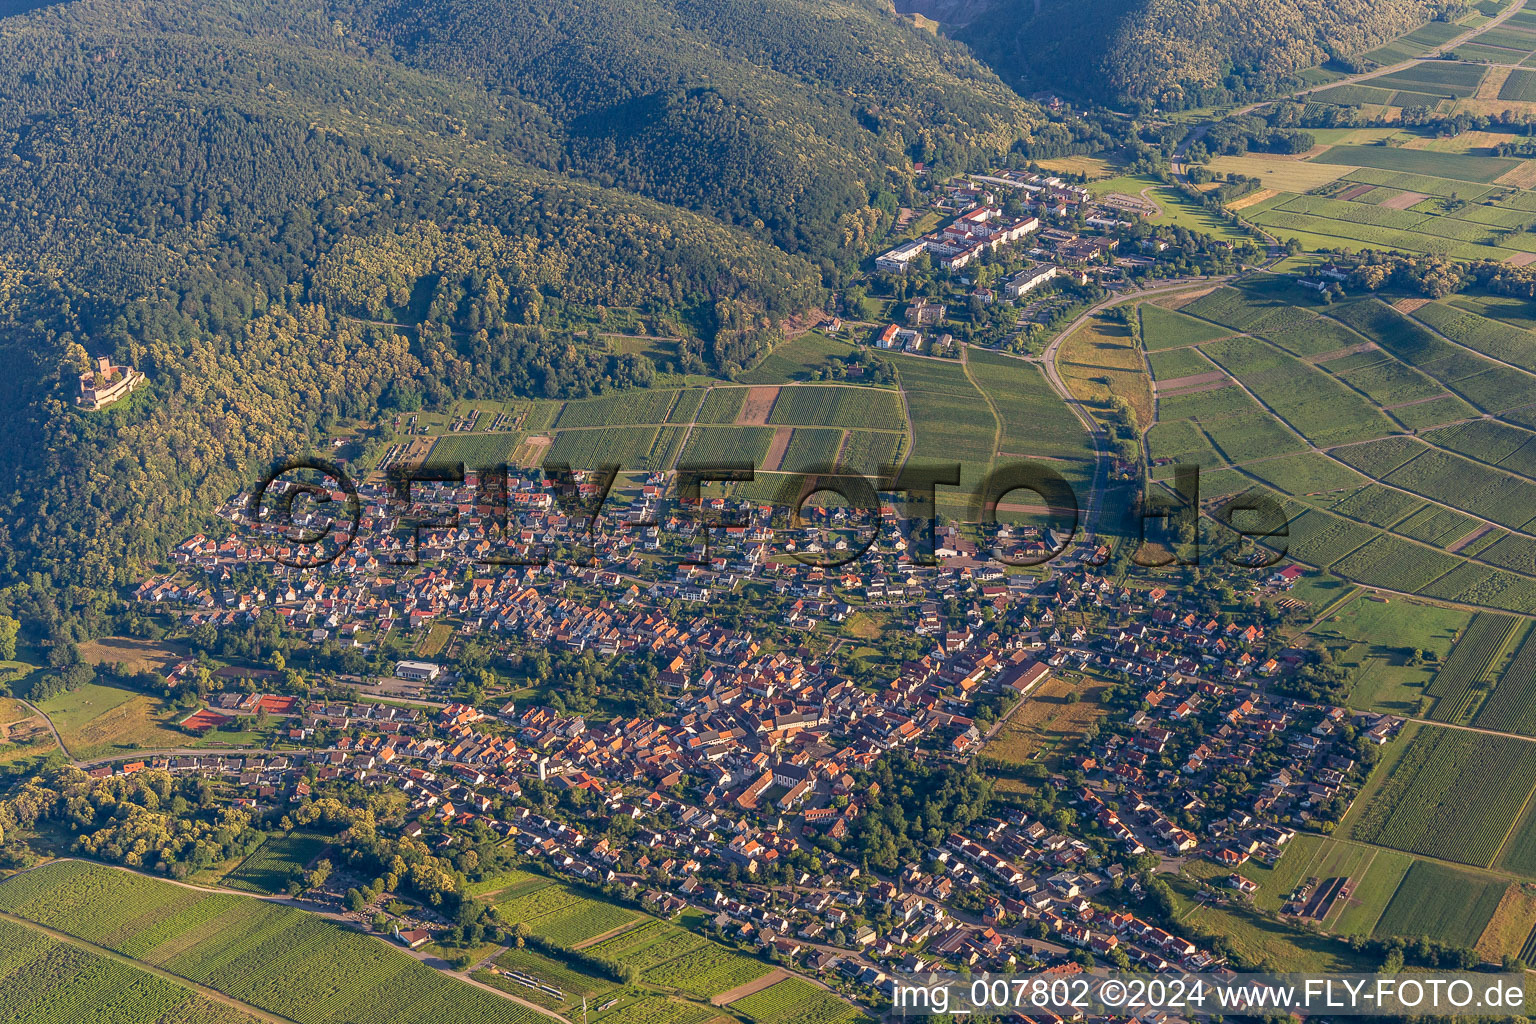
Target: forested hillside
1177,53
210,190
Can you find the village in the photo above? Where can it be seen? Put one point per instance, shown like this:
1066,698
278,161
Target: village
759,750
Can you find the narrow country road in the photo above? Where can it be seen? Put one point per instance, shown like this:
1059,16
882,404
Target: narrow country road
1095,431
51,728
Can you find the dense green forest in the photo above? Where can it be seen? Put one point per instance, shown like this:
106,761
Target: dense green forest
1177,53
291,212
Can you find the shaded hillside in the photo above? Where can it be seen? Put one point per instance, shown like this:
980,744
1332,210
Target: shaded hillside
1176,53
216,187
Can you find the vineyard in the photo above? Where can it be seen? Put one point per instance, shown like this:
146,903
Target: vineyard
793,1001
677,958
1164,329
653,943
1446,904
1452,795
1469,660
44,980
560,915
1512,705
276,861
279,960
707,972
566,979
628,407
658,1010
507,884
831,406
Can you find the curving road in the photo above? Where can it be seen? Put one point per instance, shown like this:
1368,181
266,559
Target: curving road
44,716
1100,437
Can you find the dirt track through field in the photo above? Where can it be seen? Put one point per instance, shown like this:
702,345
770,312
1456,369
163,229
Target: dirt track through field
773,977
1194,380
1340,353
1469,538
1404,201
759,404
1214,385
776,448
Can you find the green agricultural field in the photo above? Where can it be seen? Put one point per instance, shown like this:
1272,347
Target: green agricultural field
1519,853
715,446
1491,442
832,406
1519,86
722,405
865,451
1451,794
50,980
629,447
1414,44
1171,364
552,972
559,914
1242,304
1451,166
1512,705
475,450
1304,333
812,448
649,945
793,1001
277,861
1435,412
1444,903
1428,184
1353,95
1164,328
1311,402
283,961
1378,458
1493,338
686,408
1319,539
707,972
1182,441
1373,891
951,420
1437,527
1385,381
803,358
1395,564
634,406
1306,473
1375,505
506,884
1251,435
1475,653
1510,309
1035,421
1207,406
1469,486
1435,77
